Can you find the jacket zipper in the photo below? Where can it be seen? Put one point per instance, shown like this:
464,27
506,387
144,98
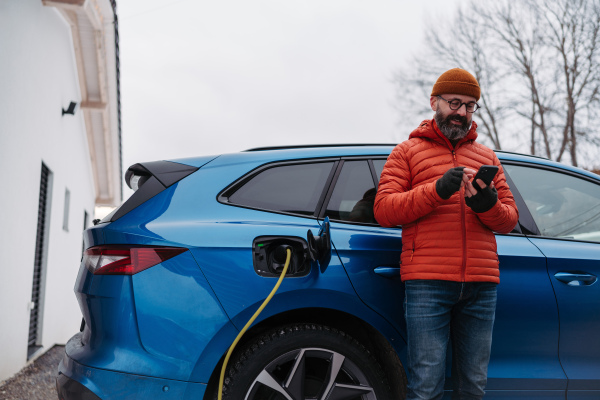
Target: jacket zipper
464,226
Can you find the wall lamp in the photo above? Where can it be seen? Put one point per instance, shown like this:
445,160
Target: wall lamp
70,109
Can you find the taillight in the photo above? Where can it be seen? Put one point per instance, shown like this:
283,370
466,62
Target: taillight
126,260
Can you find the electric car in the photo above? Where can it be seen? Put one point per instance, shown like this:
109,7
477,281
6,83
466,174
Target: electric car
170,278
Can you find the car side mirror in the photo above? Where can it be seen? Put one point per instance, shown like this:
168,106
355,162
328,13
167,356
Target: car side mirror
319,247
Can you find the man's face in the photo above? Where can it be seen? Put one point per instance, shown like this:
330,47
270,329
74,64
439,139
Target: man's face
454,124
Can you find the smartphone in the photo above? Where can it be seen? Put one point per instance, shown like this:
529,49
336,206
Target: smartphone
486,173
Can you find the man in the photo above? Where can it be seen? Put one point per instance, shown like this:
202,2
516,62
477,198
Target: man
449,263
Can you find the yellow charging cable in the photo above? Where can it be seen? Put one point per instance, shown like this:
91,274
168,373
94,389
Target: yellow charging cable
245,328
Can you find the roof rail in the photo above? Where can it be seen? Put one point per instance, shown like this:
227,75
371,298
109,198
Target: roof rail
522,154
305,146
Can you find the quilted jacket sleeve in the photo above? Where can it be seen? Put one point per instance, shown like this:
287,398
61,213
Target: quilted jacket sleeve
503,216
397,202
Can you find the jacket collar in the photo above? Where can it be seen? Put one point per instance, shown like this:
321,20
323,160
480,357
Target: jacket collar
429,130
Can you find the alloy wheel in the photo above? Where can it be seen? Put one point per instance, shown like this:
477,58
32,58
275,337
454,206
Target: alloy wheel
311,374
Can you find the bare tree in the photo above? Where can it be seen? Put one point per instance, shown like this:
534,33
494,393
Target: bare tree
522,53
452,44
573,28
537,62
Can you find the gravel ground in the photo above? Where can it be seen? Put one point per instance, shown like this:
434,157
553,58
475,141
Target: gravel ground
37,380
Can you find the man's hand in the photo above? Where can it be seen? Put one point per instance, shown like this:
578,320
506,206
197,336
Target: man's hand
452,181
482,199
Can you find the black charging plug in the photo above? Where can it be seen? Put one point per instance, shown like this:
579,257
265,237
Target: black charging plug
280,257
280,253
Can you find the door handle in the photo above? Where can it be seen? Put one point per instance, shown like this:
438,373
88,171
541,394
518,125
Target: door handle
576,278
388,272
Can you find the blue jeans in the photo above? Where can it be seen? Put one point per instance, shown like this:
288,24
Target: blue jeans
438,312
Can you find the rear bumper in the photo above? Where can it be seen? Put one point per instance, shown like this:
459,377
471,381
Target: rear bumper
70,389
76,381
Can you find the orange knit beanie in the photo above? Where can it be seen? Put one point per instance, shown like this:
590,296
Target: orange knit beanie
457,81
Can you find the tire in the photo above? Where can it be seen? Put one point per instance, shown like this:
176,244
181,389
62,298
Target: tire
305,361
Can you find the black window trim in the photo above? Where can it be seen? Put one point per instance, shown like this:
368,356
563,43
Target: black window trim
329,191
526,222
374,173
223,196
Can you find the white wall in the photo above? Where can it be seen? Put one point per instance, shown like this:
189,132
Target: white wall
38,78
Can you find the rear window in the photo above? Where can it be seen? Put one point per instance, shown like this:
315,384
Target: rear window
294,188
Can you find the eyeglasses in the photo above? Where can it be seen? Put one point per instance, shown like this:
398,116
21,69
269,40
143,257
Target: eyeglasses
455,104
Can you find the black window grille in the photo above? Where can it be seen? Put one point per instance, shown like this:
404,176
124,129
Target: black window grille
40,244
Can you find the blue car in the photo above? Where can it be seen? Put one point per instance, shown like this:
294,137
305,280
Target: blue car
170,278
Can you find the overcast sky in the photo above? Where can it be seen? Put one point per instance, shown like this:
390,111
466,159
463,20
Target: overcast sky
205,77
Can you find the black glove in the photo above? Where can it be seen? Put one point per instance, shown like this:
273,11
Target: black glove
484,200
449,183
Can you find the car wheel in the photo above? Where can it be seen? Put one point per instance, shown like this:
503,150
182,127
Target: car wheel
305,361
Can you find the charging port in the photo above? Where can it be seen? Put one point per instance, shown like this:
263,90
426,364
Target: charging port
267,259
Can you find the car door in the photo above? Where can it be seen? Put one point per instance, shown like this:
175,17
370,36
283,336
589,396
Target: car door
369,253
565,207
524,353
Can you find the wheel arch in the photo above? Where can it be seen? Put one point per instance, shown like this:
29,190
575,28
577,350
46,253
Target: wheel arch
371,338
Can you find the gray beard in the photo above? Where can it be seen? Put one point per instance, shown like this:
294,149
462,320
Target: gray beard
451,131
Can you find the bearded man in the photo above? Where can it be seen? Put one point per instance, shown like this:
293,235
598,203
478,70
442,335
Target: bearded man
449,264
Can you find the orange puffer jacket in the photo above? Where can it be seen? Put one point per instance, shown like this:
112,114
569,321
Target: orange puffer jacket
442,239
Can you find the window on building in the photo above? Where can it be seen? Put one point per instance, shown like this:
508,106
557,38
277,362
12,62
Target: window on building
86,218
66,213
39,265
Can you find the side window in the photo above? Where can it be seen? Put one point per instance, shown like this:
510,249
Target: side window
292,188
354,193
378,164
563,206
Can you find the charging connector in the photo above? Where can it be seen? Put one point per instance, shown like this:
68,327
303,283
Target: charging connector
268,256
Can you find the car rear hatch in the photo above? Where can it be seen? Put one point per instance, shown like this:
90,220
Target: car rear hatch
119,287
